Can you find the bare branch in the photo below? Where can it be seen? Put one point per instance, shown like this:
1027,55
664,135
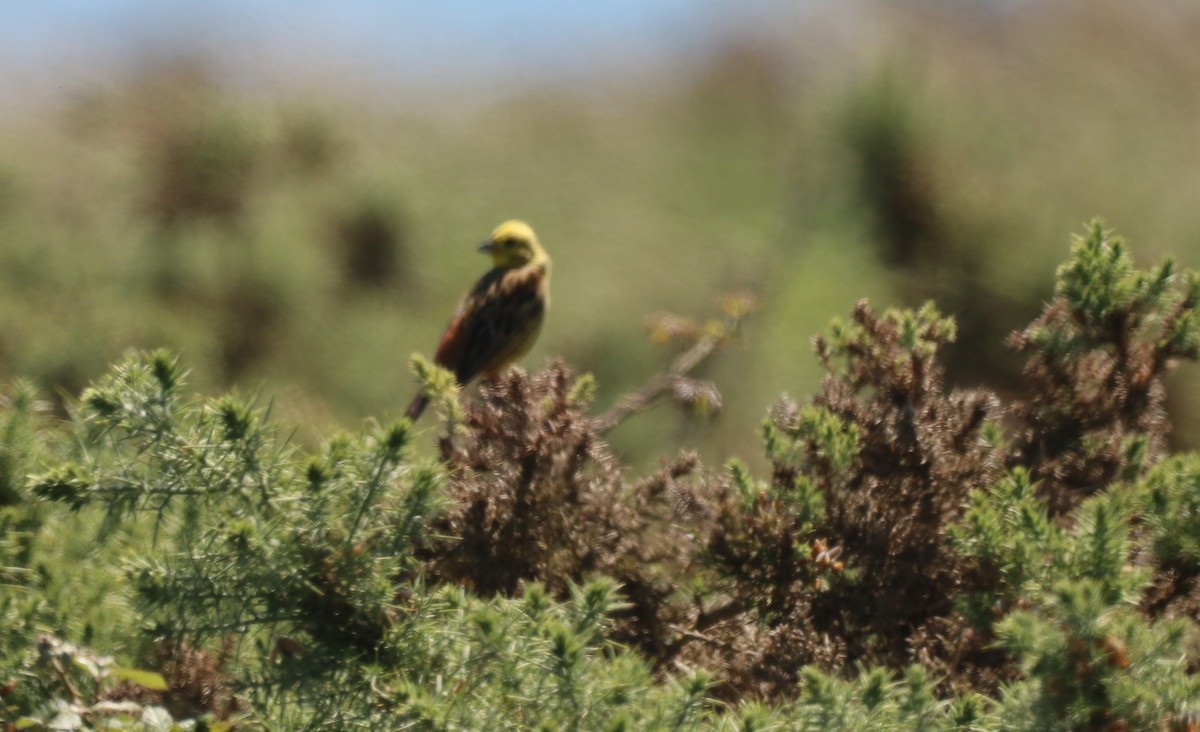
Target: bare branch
677,374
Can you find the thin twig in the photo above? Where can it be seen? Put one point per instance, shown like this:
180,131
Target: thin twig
665,382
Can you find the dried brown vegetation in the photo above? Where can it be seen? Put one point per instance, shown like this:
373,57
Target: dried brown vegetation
1096,367
539,496
921,450
198,681
718,570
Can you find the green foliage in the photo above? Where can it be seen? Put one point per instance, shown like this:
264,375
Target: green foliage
1011,537
1094,663
21,446
31,589
532,663
790,435
442,388
1101,285
1172,512
21,412
292,546
876,699
1169,506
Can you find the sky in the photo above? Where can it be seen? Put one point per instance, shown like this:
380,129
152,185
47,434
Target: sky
406,39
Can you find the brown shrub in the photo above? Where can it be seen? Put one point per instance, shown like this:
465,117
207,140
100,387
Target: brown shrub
538,496
845,558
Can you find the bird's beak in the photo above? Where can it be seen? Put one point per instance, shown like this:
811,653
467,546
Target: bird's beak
486,247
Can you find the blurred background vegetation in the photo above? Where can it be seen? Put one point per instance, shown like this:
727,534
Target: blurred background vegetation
301,227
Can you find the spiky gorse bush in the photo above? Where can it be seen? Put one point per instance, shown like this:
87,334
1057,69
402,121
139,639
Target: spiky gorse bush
289,554
304,539
1097,356
1171,529
921,449
536,664
920,556
536,495
903,524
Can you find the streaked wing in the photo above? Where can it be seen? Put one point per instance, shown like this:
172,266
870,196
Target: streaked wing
495,324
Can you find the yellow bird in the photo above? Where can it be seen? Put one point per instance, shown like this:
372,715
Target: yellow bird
499,319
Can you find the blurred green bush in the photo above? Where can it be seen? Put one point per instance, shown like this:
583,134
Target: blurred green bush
307,243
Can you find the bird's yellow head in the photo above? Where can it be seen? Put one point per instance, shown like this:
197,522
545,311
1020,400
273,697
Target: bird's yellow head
513,244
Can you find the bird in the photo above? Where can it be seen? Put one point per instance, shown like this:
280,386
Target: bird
501,316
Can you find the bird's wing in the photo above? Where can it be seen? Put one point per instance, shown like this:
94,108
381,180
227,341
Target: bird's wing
495,324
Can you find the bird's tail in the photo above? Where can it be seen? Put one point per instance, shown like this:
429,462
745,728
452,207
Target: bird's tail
418,405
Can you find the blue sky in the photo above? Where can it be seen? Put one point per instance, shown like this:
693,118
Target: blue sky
408,38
